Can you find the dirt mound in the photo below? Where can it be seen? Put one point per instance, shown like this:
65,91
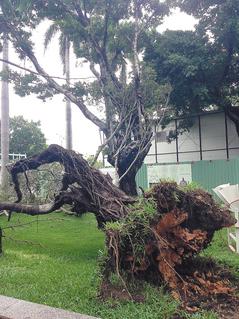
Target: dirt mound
161,236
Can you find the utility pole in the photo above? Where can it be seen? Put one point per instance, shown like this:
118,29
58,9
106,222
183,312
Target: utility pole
68,103
4,122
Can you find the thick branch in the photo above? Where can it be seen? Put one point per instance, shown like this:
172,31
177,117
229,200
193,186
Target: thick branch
84,188
29,209
36,73
76,100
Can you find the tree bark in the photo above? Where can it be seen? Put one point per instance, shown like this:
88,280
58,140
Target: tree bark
128,183
129,160
85,188
4,123
233,113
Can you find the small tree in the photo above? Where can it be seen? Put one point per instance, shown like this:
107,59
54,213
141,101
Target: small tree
25,136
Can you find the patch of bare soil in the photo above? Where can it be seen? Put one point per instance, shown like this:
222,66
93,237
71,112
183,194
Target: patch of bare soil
110,291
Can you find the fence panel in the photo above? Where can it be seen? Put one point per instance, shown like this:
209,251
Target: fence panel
210,174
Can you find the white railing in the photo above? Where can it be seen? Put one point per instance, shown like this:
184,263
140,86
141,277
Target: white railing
14,157
229,194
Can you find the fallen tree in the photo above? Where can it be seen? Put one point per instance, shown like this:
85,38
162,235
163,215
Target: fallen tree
155,237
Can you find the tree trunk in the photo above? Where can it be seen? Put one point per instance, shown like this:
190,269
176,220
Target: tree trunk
233,113
68,103
128,184
129,161
4,123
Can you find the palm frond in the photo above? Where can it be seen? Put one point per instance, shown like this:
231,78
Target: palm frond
50,32
24,6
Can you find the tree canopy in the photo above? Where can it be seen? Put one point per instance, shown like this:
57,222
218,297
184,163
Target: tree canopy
25,137
201,65
107,35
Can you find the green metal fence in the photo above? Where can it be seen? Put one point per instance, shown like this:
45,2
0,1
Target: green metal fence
210,174
207,174
142,177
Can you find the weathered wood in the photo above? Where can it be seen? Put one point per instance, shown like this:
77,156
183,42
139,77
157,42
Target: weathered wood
85,188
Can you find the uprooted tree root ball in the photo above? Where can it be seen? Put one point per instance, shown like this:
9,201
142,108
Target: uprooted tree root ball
152,238
161,236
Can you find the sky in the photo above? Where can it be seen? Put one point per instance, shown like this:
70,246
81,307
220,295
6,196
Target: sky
51,113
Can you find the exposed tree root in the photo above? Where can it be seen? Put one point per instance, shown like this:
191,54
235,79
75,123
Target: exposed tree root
156,237
163,242
84,188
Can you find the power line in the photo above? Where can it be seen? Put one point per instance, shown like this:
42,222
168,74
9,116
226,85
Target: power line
52,77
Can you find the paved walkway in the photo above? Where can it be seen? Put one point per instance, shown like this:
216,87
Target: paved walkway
11,308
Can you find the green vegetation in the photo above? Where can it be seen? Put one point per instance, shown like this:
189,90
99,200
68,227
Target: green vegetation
219,251
25,137
57,266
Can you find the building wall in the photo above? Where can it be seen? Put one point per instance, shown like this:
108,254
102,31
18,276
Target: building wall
211,146
207,174
210,174
172,172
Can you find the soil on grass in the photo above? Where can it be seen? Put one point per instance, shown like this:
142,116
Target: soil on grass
119,293
224,286
225,304
159,242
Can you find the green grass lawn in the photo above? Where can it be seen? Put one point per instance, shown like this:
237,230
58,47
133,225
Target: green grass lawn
54,262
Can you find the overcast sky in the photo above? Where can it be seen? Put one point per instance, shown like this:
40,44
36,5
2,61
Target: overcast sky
51,114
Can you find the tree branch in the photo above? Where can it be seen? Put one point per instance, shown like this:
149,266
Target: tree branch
78,101
32,210
36,73
85,22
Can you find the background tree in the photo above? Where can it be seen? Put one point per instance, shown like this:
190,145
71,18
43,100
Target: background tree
25,136
108,36
202,65
191,65
219,25
64,49
5,121
98,164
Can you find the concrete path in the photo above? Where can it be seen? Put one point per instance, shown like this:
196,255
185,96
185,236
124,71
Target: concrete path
11,308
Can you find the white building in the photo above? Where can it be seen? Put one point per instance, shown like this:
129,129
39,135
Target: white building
208,153
212,137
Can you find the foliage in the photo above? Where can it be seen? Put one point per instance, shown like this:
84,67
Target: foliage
25,136
98,164
183,59
201,65
218,21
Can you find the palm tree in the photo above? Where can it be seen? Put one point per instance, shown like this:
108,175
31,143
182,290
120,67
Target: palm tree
64,45
4,122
